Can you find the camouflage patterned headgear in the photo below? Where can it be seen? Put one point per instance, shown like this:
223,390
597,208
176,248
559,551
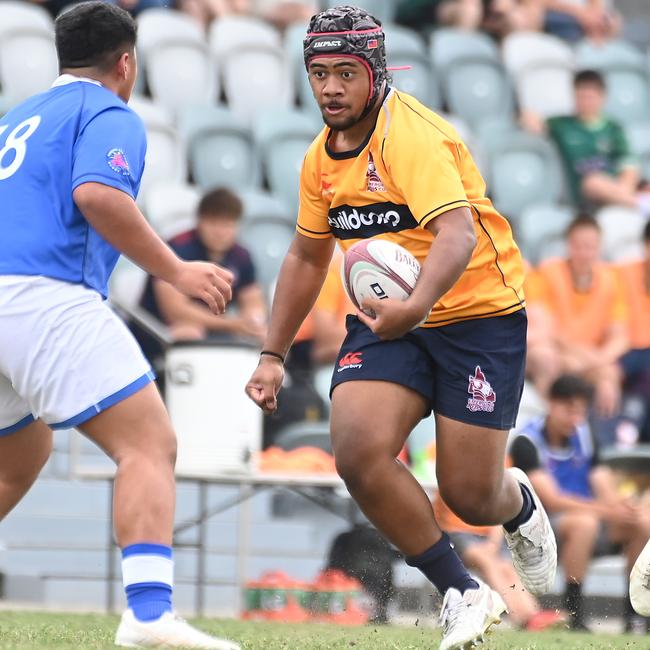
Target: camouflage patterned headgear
349,31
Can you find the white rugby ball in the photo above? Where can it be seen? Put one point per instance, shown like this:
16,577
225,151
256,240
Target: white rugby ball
376,268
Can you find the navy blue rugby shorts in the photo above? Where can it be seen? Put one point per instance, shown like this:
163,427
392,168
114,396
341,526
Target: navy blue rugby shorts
471,371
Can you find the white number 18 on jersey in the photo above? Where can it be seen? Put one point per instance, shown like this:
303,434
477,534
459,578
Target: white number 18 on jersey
16,142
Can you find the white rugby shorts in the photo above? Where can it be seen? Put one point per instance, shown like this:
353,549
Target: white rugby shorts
64,355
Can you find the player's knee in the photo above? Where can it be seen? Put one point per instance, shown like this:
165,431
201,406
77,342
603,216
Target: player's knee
473,503
355,463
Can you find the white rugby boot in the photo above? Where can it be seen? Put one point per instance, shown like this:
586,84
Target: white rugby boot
169,631
533,546
640,583
466,619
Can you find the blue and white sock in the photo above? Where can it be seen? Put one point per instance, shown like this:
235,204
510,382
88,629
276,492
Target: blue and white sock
148,576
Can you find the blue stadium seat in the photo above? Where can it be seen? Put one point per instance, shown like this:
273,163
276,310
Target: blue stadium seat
448,45
405,47
539,231
220,148
283,137
523,170
477,89
293,48
267,231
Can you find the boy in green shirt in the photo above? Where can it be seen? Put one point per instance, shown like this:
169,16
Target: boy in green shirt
599,165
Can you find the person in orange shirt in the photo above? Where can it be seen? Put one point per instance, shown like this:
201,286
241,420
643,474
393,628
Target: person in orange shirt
635,281
387,167
586,302
329,314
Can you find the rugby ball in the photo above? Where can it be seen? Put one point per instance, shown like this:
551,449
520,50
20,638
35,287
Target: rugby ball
376,268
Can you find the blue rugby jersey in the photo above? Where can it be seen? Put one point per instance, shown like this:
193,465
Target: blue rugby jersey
74,133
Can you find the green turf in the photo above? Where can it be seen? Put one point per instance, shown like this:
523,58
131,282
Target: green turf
21,631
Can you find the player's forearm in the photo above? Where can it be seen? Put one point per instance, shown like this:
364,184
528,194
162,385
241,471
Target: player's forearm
448,258
298,287
117,218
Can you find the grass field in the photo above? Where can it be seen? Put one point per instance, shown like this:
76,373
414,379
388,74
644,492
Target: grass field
22,631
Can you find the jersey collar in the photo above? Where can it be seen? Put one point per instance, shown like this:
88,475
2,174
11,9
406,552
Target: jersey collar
65,79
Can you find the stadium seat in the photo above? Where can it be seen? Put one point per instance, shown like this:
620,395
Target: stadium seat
293,40
22,15
539,231
156,26
385,10
171,208
165,160
282,138
477,89
255,73
539,62
178,64
268,243
220,148
600,56
405,47
262,207
28,63
622,229
127,283
638,137
523,170
448,45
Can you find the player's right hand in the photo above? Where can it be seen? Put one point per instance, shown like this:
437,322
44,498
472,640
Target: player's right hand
205,281
265,383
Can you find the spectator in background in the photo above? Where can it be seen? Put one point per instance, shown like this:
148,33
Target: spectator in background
283,13
635,280
214,240
587,308
423,15
575,19
205,11
559,456
503,17
132,6
594,149
481,549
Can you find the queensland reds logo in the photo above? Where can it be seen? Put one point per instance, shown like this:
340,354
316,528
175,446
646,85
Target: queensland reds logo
116,159
483,395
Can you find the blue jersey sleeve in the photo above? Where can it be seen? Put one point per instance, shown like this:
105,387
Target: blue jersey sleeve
110,150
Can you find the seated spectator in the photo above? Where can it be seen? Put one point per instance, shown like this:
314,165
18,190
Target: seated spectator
205,11
635,281
423,15
481,550
559,456
503,17
132,6
586,303
599,166
283,13
214,240
575,19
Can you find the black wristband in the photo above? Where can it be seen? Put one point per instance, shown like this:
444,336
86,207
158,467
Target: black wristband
272,354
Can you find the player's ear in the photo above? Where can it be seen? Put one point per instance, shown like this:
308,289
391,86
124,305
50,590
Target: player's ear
125,61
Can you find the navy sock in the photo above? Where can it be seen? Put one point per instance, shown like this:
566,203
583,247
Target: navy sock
442,566
526,510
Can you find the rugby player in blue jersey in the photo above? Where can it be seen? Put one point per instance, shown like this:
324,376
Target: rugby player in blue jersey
71,161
